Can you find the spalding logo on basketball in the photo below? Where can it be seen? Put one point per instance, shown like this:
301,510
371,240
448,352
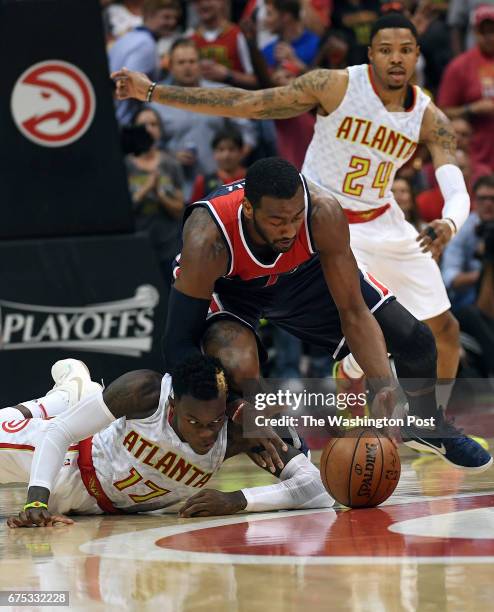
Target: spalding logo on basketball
53,103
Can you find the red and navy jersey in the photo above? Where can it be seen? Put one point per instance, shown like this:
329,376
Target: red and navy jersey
225,207
223,49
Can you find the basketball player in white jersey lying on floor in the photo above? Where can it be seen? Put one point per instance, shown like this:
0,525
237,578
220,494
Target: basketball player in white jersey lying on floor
149,450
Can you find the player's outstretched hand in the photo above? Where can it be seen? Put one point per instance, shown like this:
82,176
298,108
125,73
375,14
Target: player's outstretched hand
131,84
37,517
383,405
213,503
266,444
434,237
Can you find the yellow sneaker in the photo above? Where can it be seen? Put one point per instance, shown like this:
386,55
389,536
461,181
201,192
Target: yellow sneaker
345,385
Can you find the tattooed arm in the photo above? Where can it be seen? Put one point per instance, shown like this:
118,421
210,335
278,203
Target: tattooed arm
204,256
204,259
323,88
438,135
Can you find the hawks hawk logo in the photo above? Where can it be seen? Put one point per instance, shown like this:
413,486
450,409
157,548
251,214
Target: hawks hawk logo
53,103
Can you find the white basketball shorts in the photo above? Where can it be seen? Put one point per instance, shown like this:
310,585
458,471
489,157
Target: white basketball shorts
387,248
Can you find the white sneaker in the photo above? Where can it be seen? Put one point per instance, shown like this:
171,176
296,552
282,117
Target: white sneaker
72,376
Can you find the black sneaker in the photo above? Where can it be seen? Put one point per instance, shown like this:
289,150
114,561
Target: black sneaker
453,446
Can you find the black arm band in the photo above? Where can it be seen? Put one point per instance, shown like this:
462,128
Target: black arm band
185,326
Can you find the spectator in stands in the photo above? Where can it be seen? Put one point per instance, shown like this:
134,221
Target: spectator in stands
460,264
228,151
155,182
169,35
430,203
222,46
255,11
188,135
316,15
477,320
334,51
295,47
467,87
123,16
356,17
462,28
434,40
107,28
293,135
404,196
138,50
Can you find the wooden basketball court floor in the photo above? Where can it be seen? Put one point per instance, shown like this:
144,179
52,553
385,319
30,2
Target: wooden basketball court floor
430,547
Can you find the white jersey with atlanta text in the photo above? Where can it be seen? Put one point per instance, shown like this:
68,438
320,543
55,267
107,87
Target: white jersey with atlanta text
357,149
354,154
143,465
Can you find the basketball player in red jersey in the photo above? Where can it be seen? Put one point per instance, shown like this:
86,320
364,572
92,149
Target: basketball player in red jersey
369,123
266,248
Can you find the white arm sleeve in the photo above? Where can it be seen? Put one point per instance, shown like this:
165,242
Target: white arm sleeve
456,199
300,487
88,417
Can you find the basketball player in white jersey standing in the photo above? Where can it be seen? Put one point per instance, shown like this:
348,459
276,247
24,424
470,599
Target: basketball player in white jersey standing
370,121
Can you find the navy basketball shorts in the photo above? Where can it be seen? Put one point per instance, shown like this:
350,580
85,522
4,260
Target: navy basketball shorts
298,302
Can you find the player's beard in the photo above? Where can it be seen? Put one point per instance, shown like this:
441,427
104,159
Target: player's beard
272,245
397,87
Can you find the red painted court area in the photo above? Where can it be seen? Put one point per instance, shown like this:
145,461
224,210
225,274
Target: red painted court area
352,533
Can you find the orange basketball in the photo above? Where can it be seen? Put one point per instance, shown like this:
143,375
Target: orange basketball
362,469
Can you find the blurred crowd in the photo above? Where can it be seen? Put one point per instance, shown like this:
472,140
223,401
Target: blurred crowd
174,156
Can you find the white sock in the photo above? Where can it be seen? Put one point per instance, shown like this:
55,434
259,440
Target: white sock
351,368
53,404
11,414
